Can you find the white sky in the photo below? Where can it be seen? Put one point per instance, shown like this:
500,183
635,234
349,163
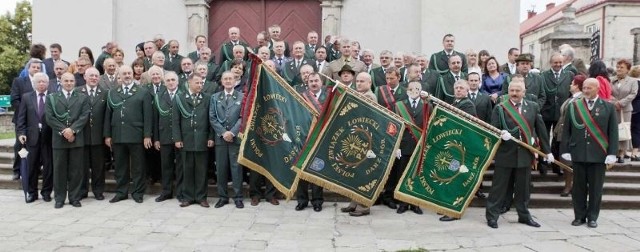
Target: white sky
9,5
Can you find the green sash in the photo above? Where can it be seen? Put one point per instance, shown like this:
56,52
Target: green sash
402,109
593,128
522,123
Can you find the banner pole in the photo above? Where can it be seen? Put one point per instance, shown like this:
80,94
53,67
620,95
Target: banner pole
491,128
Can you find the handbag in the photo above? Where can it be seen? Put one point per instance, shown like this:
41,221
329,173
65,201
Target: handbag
624,129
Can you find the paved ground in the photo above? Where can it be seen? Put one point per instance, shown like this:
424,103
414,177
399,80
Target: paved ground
150,226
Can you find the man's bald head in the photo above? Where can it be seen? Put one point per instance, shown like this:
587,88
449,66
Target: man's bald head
590,88
363,82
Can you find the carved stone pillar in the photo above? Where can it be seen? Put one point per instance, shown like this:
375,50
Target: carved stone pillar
331,17
636,45
197,20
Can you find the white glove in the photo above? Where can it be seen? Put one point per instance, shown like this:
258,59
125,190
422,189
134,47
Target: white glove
505,135
610,159
550,158
566,156
398,154
424,94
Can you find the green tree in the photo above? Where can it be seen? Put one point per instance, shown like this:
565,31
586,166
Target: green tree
15,30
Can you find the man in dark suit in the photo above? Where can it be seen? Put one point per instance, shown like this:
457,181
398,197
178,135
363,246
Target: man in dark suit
557,83
274,34
378,75
227,51
186,70
170,156
333,49
205,58
152,156
55,83
444,87
94,151
411,109
521,119
34,132
163,47
200,41
225,118
192,134
392,92
67,113
82,64
291,70
127,131
173,59
149,49
19,87
510,67
310,47
278,56
429,78
55,50
316,95
440,60
481,100
590,148
239,53
109,79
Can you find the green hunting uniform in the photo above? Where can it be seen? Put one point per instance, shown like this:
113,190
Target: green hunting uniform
128,121
170,156
444,86
191,127
587,155
94,148
67,111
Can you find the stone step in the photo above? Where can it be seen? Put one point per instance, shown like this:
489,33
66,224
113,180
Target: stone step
555,188
6,157
613,175
538,200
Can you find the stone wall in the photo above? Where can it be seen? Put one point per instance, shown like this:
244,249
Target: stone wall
5,122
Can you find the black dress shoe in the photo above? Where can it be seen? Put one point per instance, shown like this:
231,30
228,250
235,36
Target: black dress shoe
577,222
163,197
99,196
76,204
84,196
416,210
492,223
118,198
620,160
239,204
402,209
138,200
59,205
46,197
31,198
635,158
592,224
16,176
221,203
529,222
392,205
447,218
204,204
317,208
480,194
301,207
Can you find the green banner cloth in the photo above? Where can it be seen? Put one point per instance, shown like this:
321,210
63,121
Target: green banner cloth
448,164
278,124
351,149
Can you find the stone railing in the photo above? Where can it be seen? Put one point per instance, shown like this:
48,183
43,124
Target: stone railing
5,122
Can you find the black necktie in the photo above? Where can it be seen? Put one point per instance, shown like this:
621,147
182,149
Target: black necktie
414,104
171,95
126,90
68,95
393,92
280,61
473,96
590,103
518,108
557,75
91,93
457,78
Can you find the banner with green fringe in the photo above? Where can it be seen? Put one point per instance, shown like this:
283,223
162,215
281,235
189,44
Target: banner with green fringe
351,149
448,164
278,124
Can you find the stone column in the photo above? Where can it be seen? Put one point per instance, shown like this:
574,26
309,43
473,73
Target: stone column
331,18
636,45
197,20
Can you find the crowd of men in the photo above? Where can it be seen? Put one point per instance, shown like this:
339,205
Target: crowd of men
176,122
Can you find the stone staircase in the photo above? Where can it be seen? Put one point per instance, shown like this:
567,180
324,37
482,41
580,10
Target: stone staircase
621,188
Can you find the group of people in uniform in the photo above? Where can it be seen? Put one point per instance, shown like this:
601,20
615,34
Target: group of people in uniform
186,112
